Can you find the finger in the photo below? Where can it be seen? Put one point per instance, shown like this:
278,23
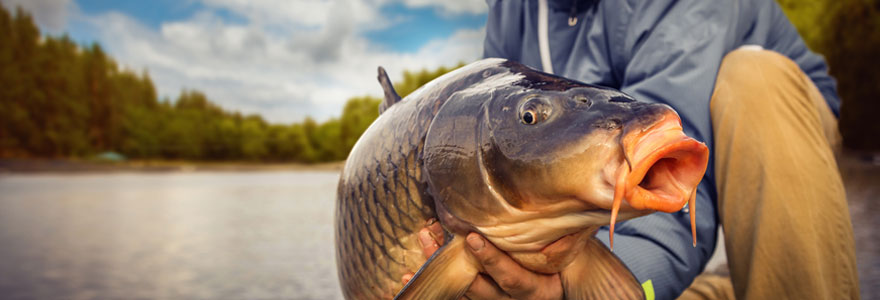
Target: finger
429,245
509,275
407,277
484,288
436,231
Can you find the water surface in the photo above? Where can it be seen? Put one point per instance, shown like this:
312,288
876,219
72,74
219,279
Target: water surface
227,235
201,235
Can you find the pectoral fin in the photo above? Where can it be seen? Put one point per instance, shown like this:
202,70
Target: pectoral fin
596,273
446,275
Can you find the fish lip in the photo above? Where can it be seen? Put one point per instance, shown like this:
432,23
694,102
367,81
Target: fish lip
665,166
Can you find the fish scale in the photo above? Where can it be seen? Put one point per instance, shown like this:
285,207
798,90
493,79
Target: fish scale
395,142
401,193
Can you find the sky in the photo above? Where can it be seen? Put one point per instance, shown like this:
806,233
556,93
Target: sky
282,59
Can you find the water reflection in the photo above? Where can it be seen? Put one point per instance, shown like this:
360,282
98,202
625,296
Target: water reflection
168,235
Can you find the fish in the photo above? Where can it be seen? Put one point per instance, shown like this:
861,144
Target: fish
534,162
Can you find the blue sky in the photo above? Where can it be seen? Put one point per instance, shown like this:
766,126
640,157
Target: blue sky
417,26
151,13
279,58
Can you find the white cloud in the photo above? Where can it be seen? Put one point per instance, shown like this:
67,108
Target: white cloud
49,14
451,7
283,68
303,13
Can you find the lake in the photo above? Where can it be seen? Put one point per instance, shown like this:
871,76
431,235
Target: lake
229,235
196,235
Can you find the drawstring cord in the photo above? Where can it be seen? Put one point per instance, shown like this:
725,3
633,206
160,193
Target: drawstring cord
543,40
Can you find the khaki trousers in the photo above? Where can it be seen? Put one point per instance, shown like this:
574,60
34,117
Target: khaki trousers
781,200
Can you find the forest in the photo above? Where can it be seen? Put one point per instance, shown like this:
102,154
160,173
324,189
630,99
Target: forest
63,100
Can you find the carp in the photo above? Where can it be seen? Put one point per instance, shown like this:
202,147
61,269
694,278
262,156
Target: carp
534,162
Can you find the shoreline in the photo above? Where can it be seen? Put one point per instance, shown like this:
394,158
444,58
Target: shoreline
846,159
26,166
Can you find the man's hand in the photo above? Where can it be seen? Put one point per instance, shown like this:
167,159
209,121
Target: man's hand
504,278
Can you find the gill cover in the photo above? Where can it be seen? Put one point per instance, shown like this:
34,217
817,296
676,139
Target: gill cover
456,174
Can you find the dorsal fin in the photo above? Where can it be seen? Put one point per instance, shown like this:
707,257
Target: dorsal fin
391,96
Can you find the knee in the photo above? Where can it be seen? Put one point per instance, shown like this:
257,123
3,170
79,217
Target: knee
745,61
755,74
758,68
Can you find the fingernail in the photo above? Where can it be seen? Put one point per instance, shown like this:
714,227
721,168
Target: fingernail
430,221
425,238
475,242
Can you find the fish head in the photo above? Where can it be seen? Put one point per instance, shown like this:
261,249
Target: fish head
536,163
566,151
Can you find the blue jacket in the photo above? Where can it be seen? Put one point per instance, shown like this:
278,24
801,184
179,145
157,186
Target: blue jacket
663,51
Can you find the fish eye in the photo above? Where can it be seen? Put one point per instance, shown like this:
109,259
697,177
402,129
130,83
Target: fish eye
534,110
528,117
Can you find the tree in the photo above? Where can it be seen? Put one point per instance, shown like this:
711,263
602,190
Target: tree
64,100
357,115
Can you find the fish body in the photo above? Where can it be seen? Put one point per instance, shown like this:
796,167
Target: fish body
534,162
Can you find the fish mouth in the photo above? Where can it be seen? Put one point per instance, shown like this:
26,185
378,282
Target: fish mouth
661,170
